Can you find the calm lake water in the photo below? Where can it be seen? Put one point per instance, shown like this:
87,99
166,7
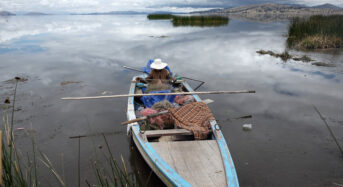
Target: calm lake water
289,145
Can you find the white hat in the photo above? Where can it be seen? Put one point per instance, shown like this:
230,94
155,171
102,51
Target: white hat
158,64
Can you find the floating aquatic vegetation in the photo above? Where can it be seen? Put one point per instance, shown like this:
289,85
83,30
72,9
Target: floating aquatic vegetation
284,56
69,82
323,64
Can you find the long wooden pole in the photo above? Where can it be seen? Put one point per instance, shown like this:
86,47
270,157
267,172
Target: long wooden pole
150,94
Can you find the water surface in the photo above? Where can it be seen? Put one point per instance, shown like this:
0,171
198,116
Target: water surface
289,144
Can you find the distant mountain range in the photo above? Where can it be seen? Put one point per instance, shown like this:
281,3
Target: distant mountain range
268,12
125,12
275,11
6,13
36,14
109,13
327,5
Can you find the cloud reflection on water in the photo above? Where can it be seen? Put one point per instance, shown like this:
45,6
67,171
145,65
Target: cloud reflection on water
92,49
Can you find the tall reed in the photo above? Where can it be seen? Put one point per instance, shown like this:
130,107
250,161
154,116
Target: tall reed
201,21
17,171
316,32
117,176
193,20
22,171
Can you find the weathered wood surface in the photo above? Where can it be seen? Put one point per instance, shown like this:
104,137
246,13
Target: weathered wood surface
198,162
169,132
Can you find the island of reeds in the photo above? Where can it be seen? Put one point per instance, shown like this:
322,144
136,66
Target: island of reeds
316,32
196,21
160,16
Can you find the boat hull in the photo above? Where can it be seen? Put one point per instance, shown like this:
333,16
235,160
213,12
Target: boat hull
165,171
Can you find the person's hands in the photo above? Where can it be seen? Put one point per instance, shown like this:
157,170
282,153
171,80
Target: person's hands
139,79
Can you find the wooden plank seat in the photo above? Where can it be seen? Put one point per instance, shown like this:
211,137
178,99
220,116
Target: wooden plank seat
168,132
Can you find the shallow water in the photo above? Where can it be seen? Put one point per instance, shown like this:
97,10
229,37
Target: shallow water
289,144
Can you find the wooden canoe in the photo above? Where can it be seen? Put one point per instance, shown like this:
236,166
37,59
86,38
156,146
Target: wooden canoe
184,162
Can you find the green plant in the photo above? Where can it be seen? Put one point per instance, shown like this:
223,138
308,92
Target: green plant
200,21
16,172
117,176
316,32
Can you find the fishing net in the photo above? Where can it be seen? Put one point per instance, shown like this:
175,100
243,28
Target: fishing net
184,99
194,117
168,121
163,120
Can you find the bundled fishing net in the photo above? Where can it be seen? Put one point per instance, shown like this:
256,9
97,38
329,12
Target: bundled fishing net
163,105
195,117
162,121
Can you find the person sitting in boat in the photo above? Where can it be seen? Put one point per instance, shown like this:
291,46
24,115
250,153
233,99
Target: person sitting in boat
158,82
158,75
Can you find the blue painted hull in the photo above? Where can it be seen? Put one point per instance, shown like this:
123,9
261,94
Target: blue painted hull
165,172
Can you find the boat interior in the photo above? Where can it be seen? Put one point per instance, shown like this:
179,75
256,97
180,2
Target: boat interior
171,133
199,162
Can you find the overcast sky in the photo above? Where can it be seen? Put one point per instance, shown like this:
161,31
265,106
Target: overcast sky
138,5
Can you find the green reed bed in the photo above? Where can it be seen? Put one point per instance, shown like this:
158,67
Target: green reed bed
202,21
160,16
199,21
316,32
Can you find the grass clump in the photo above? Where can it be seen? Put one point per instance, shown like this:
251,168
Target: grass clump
316,32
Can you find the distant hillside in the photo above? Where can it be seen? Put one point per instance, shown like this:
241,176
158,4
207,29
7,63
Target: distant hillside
36,14
327,5
6,13
275,11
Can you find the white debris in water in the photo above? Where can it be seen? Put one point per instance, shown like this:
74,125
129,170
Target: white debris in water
247,127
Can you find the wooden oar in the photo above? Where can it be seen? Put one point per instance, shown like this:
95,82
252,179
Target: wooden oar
206,101
145,117
150,94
